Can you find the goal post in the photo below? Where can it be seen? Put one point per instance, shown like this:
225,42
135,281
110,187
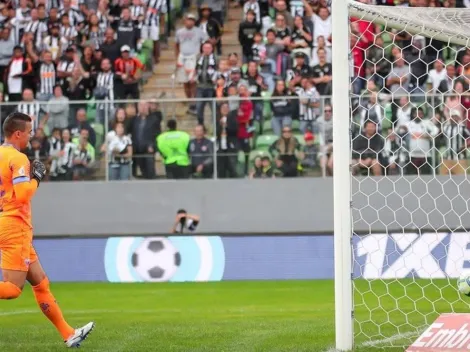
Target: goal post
402,236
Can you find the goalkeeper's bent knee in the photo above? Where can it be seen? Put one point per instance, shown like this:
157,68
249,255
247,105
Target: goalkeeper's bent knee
42,287
9,290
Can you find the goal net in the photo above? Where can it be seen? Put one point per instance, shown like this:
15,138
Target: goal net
401,170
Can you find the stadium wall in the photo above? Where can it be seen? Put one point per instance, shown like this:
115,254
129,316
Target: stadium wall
267,257
303,205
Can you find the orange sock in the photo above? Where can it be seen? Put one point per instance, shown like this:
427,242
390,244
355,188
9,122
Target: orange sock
51,309
9,290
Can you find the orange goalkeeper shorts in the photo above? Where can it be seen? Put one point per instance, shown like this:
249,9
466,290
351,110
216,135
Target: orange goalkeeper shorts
16,245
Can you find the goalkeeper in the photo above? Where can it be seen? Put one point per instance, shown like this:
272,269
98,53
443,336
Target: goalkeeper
19,181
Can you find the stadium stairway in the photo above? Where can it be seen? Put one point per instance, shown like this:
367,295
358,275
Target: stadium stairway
161,84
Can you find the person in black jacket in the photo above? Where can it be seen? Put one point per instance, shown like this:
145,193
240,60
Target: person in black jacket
110,47
211,27
246,33
144,134
281,107
227,130
127,32
366,149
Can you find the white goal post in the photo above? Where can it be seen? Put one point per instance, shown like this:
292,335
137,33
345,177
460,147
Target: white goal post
451,26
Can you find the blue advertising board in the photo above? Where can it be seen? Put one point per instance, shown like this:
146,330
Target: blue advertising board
217,258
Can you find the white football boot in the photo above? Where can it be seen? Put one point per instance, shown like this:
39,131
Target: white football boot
80,335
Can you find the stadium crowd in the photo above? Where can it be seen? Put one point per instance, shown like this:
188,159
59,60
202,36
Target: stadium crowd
273,113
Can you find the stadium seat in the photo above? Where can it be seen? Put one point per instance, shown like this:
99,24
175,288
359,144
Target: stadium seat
267,112
300,138
265,141
267,127
99,130
295,126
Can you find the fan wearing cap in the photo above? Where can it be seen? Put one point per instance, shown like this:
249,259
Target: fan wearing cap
128,71
211,27
299,71
188,46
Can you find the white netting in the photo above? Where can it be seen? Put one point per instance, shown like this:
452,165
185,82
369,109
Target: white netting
410,102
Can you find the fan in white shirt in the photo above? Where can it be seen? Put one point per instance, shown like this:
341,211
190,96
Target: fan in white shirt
436,76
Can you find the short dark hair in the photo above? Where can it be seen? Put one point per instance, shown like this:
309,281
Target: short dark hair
15,122
181,211
270,31
171,124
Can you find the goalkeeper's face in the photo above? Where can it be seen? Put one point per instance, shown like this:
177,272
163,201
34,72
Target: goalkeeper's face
25,136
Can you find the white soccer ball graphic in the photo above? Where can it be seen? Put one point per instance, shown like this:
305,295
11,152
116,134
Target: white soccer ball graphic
463,283
156,259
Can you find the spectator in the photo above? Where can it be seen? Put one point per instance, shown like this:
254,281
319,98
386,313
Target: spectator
154,25
422,132
32,108
61,155
188,41
301,40
457,141
144,132
310,151
67,30
281,106
104,90
41,136
399,78
80,124
206,74
246,32
282,31
185,221
128,72
281,9
436,76
300,70
83,157
37,28
16,75
6,49
245,122
395,153
119,154
373,111
78,89
201,150
173,146
287,152
45,71
35,152
110,47
453,99
57,110
448,82
89,65
127,33
211,27
322,74
66,67
263,168
321,23
404,113
376,60
309,104
273,49
256,86
227,132
366,149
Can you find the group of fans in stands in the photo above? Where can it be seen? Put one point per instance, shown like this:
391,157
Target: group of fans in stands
55,52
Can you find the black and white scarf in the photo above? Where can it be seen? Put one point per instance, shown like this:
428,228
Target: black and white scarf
208,75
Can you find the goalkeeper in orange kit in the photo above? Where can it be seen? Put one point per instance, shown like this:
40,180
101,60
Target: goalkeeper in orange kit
19,181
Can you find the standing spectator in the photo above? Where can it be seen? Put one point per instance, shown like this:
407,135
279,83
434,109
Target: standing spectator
54,43
373,111
436,76
37,28
309,103
281,106
321,23
206,74
110,47
201,150
281,9
399,78
287,152
227,132
395,153
299,71
61,155
127,33
217,7
75,17
53,20
32,108
366,149
45,71
104,90
245,122
16,75
188,42
57,110
310,151
35,152
80,124
301,38
422,133
6,49
246,33
128,72
156,114
322,74
273,49
79,89
256,86
154,25
144,132
173,146
211,27
66,67
92,33
68,31
252,6
457,141
120,154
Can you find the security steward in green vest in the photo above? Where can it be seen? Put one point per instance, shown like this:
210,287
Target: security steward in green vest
173,146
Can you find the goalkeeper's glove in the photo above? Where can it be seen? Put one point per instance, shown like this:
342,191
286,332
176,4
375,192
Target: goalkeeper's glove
38,170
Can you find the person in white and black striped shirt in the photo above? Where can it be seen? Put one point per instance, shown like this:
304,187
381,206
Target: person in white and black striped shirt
309,104
457,140
46,73
67,30
76,18
32,108
38,28
104,90
154,20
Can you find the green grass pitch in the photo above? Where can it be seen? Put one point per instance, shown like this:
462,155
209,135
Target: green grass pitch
225,316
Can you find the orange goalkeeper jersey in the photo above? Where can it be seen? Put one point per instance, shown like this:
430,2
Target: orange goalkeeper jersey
14,169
